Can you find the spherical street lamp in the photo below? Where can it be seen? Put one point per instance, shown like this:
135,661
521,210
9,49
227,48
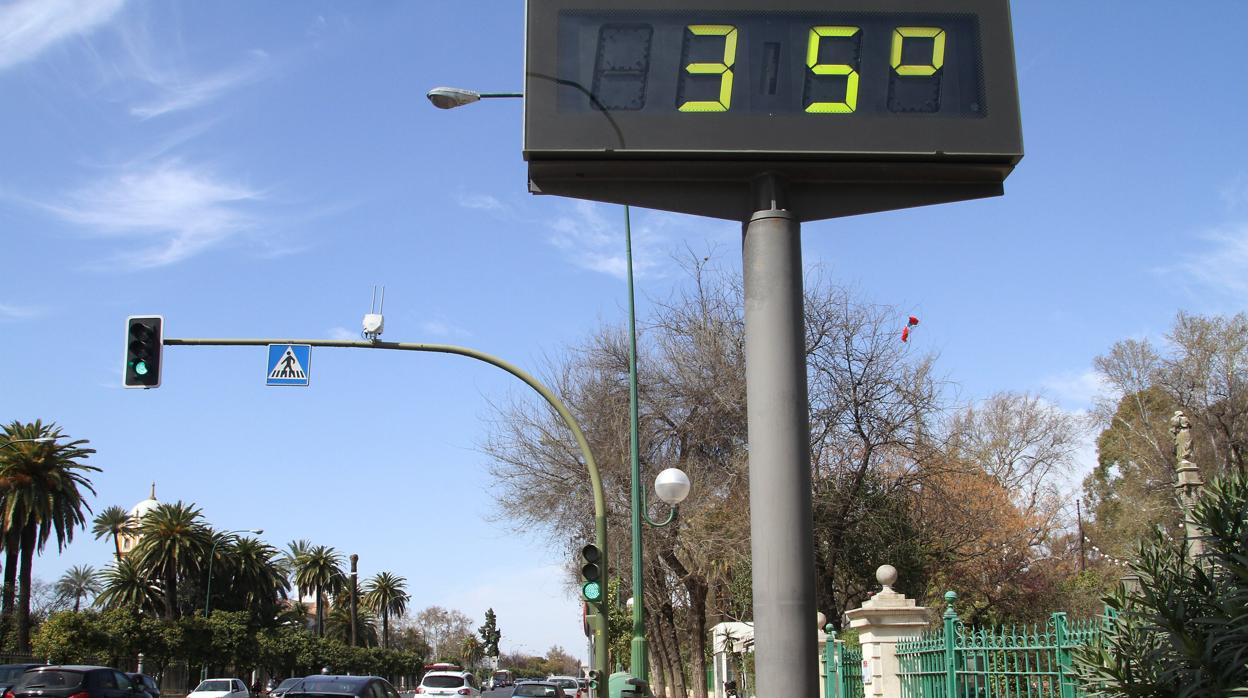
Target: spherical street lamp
672,486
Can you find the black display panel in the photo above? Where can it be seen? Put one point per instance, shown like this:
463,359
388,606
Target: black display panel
852,105
834,64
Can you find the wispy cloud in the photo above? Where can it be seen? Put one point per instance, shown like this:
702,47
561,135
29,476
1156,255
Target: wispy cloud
591,240
480,202
1219,267
438,328
342,334
177,90
29,27
1077,390
176,209
10,311
1235,192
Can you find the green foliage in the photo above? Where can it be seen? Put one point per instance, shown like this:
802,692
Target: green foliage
619,622
490,634
225,638
1184,632
71,638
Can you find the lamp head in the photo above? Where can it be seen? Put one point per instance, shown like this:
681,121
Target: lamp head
451,97
672,486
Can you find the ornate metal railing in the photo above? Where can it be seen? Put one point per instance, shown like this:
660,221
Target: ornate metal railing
1007,662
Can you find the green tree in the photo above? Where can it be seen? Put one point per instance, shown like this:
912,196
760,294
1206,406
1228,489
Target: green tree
490,634
253,577
70,637
126,585
79,582
1184,631
338,623
386,594
172,541
319,570
41,497
115,522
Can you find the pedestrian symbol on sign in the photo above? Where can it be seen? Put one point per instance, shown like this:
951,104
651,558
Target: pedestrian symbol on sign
288,364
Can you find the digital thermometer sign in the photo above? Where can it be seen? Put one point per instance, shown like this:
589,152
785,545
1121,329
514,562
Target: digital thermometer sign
812,91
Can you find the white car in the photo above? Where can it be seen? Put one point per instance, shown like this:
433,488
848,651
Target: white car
220,688
571,687
447,683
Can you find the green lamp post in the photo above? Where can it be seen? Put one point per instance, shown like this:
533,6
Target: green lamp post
212,554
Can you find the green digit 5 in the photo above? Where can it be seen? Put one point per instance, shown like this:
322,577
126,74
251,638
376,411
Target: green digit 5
724,70
851,76
938,49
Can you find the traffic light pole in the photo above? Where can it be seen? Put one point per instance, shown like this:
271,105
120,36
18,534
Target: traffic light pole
600,510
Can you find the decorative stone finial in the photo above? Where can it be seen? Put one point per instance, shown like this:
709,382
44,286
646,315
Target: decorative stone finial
820,619
886,575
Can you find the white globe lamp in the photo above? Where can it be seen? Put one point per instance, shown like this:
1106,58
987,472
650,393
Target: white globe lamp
672,486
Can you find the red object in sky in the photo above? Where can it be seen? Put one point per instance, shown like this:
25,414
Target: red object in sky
905,331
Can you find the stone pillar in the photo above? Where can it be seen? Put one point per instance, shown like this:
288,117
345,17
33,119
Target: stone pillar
881,621
1187,481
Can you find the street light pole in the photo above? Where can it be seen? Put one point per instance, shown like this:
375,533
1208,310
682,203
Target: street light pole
203,674
38,440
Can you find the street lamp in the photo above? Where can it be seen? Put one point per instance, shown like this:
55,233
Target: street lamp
451,97
212,554
672,485
39,440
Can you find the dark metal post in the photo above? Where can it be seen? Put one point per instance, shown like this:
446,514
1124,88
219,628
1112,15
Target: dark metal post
777,413
1083,559
354,600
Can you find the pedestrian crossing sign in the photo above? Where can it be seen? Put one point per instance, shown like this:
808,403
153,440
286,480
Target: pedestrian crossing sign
289,364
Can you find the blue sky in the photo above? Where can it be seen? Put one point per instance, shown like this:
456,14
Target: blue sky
252,169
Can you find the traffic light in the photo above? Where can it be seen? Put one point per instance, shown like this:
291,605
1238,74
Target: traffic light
144,344
595,679
591,572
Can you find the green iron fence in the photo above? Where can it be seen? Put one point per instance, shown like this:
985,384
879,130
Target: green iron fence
842,669
1006,662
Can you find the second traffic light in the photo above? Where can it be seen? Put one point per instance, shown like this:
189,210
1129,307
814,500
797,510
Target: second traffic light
591,572
144,346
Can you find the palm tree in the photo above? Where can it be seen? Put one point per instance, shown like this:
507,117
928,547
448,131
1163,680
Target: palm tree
386,594
79,582
319,569
126,586
258,575
294,550
172,541
113,521
41,496
338,622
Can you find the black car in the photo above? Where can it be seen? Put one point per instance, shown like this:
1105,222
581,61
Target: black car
146,683
329,686
10,673
75,681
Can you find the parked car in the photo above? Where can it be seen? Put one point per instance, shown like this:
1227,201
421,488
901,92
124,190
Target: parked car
280,689
220,688
10,673
330,686
571,687
537,689
73,681
147,683
441,682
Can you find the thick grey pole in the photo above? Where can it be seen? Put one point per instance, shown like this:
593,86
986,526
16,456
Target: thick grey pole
781,540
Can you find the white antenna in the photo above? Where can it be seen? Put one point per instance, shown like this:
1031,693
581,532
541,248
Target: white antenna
374,321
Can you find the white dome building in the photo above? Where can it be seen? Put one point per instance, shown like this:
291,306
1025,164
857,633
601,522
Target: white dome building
129,540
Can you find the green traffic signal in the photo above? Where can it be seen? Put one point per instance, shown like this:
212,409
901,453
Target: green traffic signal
592,591
144,343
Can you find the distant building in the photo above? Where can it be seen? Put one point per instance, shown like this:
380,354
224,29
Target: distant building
131,539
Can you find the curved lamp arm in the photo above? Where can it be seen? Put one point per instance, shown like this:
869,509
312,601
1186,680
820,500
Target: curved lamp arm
645,512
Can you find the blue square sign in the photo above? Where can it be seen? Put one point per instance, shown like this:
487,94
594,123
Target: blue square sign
289,364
